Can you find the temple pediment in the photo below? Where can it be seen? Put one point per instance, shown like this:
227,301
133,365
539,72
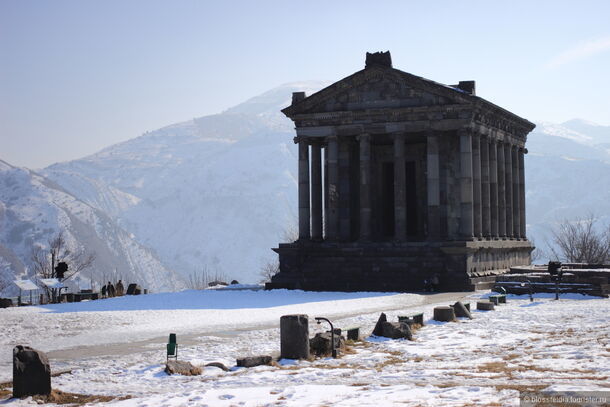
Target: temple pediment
379,88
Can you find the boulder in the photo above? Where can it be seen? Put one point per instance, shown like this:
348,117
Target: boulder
396,330
182,367
378,331
485,306
252,361
134,289
6,302
461,310
31,372
294,337
233,282
320,344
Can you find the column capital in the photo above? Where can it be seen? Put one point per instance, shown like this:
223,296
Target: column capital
363,136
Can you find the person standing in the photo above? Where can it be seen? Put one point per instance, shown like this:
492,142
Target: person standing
111,291
120,289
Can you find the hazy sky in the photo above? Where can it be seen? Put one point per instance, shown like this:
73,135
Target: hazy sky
77,76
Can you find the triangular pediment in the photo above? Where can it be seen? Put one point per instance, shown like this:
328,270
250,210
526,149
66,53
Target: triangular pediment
378,88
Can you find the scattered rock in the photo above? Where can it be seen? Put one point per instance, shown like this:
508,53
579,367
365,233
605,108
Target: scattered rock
444,314
252,361
294,336
182,367
216,282
31,372
218,365
485,306
320,344
6,302
378,331
461,310
396,330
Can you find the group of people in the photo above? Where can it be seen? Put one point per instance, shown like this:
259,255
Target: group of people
110,290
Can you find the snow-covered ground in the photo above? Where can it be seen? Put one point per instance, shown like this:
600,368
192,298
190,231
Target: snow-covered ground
544,345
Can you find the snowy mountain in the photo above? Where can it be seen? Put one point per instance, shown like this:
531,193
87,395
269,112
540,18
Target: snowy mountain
567,175
33,209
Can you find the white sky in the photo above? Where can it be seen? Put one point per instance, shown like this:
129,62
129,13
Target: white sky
77,76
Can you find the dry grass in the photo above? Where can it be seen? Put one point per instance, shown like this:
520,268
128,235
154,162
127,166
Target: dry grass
61,397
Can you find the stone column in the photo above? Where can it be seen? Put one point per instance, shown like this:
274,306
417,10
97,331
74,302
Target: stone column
344,190
485,195
365,186
400,189
522,223
508,186
501,191
466,195
332,214
303,190
493,187
516,192
433,182
316,191
476,186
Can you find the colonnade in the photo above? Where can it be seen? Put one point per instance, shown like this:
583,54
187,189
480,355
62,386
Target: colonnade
490,179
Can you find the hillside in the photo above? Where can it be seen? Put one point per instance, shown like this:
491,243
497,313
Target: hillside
32,210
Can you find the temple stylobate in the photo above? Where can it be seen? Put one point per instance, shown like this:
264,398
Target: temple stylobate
402,179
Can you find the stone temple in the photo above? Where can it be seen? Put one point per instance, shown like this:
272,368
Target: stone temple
402,178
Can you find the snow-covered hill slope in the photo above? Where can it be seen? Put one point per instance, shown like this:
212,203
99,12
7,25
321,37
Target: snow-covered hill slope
214,192
33,209
567,175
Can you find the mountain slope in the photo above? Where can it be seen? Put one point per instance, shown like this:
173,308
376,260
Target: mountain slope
33,209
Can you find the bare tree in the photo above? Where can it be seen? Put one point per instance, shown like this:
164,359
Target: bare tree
272,267
581,241
44,260
268,270
203,278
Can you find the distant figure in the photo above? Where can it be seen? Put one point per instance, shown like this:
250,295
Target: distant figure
120,289
110,289
104,291
427,285
434,281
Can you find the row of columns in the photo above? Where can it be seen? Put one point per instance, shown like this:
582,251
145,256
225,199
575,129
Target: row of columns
491,188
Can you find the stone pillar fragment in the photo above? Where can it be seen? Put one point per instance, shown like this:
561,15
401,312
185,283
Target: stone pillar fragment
493,187
304,212
400,191
365,186
316,191
522,224
31,372
294,337
485,193
466,195
516,192
508,188
501,191
477,206
433,182
332,214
